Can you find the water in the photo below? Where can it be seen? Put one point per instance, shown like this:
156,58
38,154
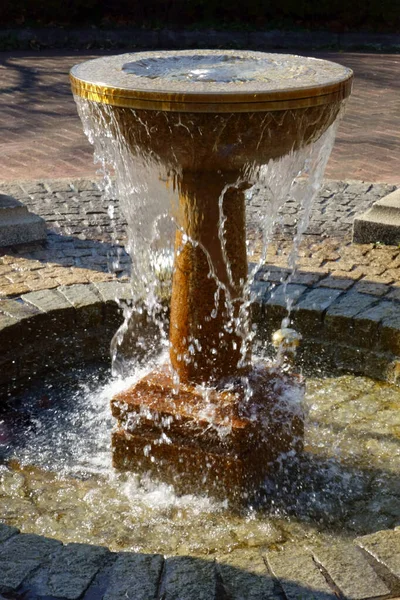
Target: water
56,478
150,160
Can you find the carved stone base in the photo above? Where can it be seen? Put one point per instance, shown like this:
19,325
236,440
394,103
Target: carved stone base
222,442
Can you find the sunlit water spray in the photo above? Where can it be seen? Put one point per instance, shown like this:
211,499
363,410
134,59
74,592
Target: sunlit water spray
149,197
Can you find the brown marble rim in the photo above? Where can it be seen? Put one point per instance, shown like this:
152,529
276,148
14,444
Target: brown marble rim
214,102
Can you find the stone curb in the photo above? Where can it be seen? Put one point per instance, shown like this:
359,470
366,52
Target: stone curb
51,37
381,223
342,330
349,331
41,331
364,569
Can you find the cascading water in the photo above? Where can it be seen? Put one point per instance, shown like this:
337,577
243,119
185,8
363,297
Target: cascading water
150,202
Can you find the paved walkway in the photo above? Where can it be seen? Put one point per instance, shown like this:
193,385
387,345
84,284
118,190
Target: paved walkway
41,136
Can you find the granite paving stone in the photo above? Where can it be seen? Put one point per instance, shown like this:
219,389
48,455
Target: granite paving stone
28,547
18,310
299,575
186,578
72,569
6,531
350,572
47,300
112,290
286,295
366,323
135,577
390,334
245,576
14,572
384,547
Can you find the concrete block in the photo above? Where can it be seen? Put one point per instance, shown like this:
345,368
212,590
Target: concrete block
17,224
381,223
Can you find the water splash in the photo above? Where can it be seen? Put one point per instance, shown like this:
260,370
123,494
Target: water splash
148,188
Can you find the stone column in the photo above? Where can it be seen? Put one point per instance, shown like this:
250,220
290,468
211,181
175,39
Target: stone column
210,271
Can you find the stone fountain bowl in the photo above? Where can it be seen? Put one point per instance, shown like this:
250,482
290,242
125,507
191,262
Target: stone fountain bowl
215,109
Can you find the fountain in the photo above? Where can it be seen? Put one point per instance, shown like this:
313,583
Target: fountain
191,135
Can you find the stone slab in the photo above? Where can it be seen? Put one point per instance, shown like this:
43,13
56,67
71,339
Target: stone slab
189,578
350,572
366,323
28,546
80,294
86,300
338,321
47,300
13,573
308,312
299,576
381,223
18,310
20,555
384,547
18,225
6,531
390,335
245,576
135,577
72,570
111,291
286,295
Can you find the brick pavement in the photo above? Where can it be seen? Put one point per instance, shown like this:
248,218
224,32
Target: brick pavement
41,135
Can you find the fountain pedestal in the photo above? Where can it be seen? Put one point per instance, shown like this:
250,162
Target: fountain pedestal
210,421
221,443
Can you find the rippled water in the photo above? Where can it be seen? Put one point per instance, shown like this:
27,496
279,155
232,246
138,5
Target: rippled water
56,475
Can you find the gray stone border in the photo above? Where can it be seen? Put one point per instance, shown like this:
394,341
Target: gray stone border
366,568
50,329
345,330
351,331
91,38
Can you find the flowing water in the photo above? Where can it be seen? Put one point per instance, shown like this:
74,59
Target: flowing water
148,188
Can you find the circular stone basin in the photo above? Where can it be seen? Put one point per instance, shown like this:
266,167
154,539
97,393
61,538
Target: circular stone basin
56,478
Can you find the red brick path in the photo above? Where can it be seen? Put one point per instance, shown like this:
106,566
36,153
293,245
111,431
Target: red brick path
41,136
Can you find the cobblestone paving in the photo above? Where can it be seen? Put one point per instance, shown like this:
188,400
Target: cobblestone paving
38,119
82,244
36,567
